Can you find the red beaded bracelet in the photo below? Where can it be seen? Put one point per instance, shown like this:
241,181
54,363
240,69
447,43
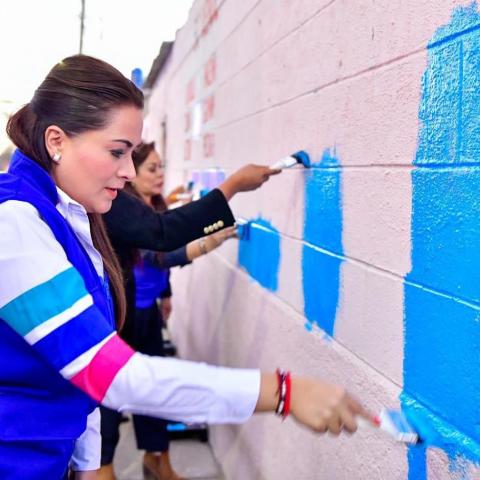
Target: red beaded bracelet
284,393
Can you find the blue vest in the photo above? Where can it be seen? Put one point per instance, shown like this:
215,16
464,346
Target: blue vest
36,403
150,282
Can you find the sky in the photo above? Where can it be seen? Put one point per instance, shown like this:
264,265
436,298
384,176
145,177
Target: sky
36,34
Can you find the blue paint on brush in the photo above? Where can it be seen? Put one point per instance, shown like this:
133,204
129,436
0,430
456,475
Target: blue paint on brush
303,158
259,254
243,228
322,235
442,330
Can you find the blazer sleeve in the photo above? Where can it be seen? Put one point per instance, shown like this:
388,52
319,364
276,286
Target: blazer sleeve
176,258
132,224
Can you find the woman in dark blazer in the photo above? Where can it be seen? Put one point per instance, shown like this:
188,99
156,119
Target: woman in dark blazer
144,332
132,225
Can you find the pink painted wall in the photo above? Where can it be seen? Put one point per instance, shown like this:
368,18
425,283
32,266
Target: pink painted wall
256,80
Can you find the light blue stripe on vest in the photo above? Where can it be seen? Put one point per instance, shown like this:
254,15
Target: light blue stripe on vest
43,302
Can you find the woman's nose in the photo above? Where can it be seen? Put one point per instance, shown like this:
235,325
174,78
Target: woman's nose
127,170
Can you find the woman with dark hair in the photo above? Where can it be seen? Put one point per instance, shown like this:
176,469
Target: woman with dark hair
152,285
62,291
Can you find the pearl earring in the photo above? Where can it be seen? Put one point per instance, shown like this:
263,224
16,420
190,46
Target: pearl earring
57,156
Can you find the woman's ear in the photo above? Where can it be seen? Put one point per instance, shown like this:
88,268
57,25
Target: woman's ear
55,139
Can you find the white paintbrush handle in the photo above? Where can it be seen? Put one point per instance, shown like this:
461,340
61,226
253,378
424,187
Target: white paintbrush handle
286,162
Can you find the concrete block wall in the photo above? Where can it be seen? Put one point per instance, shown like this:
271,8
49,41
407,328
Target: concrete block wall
365,269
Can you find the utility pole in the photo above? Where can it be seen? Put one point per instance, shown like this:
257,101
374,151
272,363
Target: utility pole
82,25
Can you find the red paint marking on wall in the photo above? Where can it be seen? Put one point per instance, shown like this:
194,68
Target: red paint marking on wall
209,145
190,92
187,150
208,108
209,8
209,15
203,19
210,71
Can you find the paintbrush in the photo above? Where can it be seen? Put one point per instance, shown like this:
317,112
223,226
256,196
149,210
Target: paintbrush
298,158
243,228
395,424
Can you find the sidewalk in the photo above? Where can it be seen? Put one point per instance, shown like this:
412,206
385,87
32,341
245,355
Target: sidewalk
191,459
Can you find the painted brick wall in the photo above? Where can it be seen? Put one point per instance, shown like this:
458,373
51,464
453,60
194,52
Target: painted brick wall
364,270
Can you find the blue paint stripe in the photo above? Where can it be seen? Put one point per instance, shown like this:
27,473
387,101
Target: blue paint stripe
417,463
259,255
39,304
322,253
442,331
69,341
321,281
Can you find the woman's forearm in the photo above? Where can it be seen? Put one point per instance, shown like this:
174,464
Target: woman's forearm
268,397
247,178
200,247
193,250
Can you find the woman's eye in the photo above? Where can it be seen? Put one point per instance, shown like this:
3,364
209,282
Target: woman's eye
117,153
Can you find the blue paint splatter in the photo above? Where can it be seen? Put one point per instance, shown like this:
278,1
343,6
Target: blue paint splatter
442,329
323,249
259,255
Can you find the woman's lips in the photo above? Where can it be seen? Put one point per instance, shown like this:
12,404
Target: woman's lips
112,192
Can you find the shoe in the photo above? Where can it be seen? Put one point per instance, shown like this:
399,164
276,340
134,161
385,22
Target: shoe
106,472
159,467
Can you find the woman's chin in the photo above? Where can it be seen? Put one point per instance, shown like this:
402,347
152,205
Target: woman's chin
100,207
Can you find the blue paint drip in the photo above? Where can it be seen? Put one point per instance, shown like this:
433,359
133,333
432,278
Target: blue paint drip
323,249
442,332
417,462
259,254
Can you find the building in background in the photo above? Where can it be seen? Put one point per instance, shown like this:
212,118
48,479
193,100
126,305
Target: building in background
366,269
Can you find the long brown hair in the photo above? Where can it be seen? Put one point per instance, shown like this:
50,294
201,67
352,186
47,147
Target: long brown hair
139,155
77,95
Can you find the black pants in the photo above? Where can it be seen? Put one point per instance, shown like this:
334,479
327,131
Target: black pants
151,433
